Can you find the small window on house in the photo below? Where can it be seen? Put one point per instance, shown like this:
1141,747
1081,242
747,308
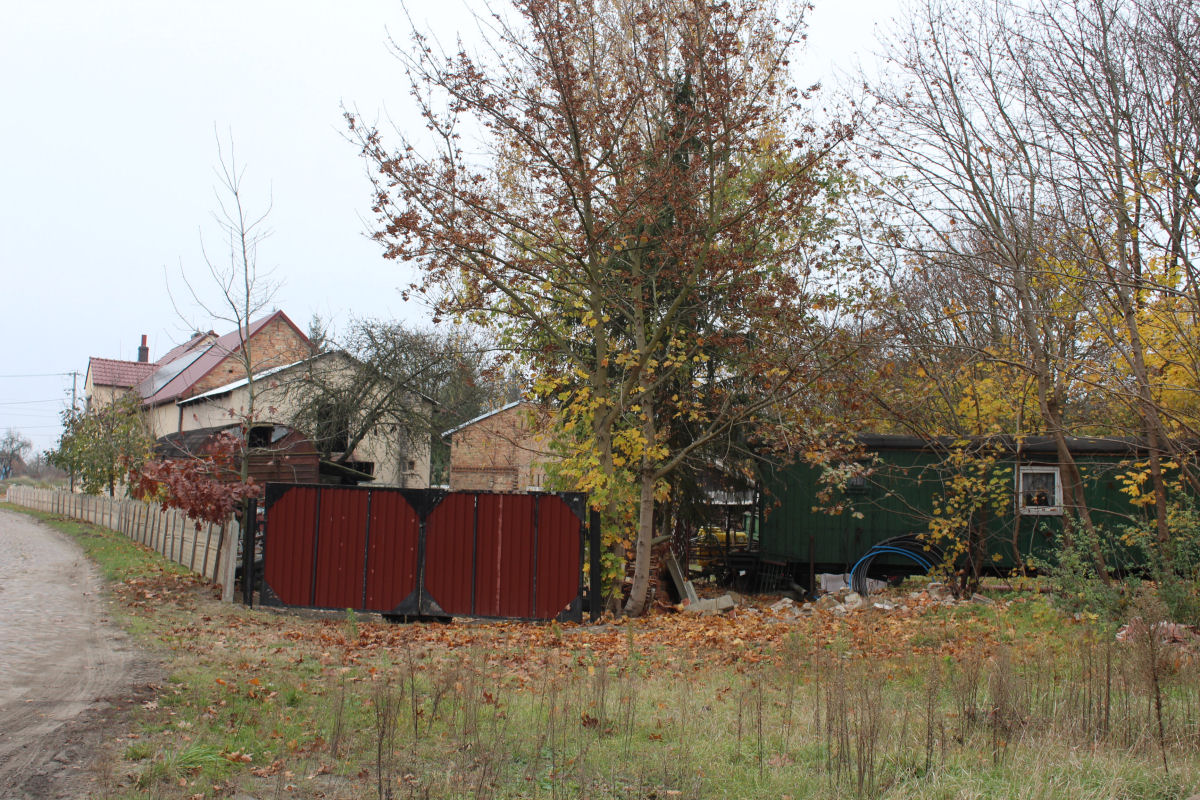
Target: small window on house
1039,490
260,436
412,465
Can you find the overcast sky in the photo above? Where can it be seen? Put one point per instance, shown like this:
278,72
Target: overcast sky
107,152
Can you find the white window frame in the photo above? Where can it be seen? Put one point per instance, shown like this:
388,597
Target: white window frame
1053,510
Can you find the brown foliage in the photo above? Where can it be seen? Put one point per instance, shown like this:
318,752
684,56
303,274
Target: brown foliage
205,486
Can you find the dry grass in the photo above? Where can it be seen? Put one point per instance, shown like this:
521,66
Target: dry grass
1011,701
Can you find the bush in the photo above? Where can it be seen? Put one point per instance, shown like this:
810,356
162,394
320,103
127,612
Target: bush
1073,577
1174,568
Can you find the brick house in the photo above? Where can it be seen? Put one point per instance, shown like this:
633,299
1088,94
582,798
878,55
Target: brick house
109,379
505,450
390,458
206,362
201,385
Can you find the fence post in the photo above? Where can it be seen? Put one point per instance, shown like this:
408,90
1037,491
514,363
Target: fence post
250,529
595,583
227,558
195,544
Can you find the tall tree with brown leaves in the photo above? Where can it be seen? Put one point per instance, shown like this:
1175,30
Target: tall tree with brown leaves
631,194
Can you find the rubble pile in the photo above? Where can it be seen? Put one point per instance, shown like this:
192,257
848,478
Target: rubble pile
844,601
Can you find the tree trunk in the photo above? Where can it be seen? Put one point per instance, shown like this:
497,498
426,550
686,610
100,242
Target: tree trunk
639,594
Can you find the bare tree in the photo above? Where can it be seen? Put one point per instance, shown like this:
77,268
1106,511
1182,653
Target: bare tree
1050,163
13,447
974,203
402,385
238,290
1113,87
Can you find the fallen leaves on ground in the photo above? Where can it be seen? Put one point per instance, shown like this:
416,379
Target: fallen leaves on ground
524,652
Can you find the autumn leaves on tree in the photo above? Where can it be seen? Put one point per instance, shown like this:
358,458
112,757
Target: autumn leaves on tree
632,195
1036,173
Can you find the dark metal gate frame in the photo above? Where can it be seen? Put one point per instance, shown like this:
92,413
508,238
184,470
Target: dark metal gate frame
423,503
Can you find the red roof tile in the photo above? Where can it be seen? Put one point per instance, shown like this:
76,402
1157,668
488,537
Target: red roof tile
112,372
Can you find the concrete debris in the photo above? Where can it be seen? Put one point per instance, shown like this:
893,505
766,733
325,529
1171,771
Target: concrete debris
711,606
1166,632
831,582
704,606
939,591
683,587
827,602
843,601
828,582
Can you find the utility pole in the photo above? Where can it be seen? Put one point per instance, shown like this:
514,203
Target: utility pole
74,408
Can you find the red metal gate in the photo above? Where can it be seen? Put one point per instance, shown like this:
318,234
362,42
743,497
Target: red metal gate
425,552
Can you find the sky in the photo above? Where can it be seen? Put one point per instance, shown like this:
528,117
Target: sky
108,144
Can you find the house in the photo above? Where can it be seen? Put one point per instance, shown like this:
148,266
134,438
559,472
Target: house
200,387
383,455
905,480
504,450
205,362
109,379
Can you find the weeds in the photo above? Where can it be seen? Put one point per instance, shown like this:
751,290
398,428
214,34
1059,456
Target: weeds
1025,703
171,765
338,726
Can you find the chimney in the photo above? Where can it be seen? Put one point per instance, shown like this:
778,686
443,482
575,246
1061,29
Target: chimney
144,351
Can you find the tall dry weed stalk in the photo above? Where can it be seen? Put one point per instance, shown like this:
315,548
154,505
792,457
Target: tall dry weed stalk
837,728
411,669
933,690
338,726
384,707
1148,647
867,724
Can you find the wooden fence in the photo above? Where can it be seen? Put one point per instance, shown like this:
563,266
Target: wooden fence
210,551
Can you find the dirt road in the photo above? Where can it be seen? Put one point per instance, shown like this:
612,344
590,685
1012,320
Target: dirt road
65,670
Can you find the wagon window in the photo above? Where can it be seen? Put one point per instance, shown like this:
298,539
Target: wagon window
1039,490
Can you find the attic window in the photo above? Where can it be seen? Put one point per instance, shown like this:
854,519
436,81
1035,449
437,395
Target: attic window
1039,490
260,436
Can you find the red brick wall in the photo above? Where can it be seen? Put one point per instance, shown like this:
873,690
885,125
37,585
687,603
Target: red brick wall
500,453
278,343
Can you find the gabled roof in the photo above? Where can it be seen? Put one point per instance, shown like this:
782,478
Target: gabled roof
484,416
113,372
173,379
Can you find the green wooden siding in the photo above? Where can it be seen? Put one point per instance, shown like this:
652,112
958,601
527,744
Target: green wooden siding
899,497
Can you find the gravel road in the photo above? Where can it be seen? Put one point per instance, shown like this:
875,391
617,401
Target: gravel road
66,672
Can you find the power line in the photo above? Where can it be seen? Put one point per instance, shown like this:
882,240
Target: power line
33,402
38,375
